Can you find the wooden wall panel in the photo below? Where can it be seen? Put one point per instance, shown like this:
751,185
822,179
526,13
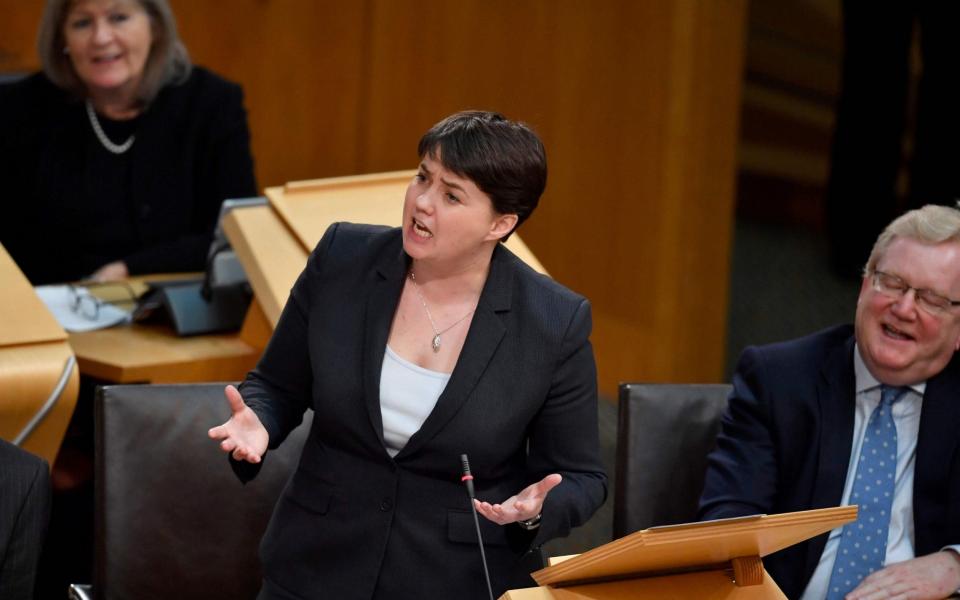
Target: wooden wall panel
637,103
18,35
302,67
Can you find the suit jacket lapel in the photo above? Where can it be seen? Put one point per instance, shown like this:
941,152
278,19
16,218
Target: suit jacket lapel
836,398
484,336
936,441
381,306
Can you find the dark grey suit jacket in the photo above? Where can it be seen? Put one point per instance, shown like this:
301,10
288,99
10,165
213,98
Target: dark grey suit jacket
521,402
786,440
24,512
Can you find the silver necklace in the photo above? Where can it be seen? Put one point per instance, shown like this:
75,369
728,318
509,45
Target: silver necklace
110,146
435,343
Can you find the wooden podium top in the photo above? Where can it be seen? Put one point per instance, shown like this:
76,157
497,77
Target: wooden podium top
662,550
24,318
308,208
273,242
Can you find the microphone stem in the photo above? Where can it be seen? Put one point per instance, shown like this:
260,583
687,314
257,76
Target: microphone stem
483,556
468,480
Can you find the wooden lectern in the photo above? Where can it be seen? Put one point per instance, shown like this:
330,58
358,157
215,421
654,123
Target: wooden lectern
273,242
39,379
716,560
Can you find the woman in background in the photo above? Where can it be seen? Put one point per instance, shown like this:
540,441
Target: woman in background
114,161
414,345
116,158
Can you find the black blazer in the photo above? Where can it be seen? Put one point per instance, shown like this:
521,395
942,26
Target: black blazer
70,206
24,512
787,436
521,402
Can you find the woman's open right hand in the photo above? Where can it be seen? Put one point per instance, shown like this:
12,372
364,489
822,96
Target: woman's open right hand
243,434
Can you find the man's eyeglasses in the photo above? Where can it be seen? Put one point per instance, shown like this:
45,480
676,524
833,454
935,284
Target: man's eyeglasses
895,287
87,305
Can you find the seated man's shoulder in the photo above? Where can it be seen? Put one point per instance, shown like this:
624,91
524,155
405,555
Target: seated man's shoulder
800,358
808,347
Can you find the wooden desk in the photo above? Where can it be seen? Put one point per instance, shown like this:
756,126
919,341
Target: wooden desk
154,353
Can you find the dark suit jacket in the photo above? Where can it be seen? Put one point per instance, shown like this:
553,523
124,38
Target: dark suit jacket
786,439
70,207
24,511
521,402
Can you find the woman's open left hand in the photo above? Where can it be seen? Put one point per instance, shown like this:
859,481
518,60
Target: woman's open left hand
522,507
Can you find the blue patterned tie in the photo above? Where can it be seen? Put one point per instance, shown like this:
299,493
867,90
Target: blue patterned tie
863,544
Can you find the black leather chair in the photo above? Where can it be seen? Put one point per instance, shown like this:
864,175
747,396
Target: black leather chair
171,519
664,434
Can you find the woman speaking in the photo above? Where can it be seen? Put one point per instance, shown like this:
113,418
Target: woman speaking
415,345
116,158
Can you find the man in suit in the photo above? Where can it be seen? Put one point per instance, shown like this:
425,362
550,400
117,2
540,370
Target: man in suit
24,510
864,415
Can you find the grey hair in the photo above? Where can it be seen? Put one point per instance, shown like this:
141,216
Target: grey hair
167,64
932,224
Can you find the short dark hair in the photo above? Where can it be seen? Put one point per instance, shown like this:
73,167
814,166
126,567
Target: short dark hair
168,62
504,158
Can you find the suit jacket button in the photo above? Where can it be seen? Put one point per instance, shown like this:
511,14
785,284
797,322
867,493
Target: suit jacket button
386,504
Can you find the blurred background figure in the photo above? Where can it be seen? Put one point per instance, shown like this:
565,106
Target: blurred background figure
115,160
116,157
866,189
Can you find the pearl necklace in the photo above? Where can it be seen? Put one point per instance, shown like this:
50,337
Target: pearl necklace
110,146
435,343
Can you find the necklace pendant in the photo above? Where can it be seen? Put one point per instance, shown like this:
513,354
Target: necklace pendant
436,343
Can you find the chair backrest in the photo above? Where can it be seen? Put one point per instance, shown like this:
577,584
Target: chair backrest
171,519
664,434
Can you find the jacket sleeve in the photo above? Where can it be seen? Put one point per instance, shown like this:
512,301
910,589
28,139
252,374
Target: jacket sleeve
741,474
564,437
22,553
278,390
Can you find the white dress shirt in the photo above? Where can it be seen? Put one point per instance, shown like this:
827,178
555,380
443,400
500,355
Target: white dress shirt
906,417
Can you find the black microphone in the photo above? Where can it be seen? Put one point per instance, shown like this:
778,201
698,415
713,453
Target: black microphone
467,478
206,290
